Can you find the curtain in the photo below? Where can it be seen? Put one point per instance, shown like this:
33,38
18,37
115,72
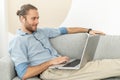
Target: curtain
3,29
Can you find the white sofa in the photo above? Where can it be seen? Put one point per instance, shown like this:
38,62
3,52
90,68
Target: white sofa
70,45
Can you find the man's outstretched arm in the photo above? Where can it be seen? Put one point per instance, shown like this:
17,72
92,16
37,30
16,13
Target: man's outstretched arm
71,30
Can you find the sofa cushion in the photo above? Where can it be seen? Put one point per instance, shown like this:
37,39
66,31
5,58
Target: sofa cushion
7,71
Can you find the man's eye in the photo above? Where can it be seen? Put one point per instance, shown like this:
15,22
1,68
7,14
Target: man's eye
33,18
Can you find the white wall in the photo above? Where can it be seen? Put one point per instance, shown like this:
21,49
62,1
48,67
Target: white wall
3,29
102,15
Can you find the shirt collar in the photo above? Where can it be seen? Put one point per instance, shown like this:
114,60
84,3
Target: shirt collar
22,33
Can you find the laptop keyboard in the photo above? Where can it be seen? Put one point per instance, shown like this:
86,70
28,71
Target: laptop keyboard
73,63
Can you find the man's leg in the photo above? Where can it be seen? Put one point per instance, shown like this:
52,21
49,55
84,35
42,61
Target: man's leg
93,70
55,74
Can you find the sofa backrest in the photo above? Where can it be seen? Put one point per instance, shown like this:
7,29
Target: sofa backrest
70,44
108,47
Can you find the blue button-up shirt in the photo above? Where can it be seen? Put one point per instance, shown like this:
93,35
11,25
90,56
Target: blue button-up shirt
33,49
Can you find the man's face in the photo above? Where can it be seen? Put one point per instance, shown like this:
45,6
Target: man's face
31,20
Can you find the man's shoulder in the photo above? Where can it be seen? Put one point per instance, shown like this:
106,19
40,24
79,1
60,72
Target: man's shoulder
18,38
42,30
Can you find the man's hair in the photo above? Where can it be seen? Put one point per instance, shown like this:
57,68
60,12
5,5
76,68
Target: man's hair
24,9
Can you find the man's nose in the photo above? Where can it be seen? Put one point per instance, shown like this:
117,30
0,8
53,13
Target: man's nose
37,21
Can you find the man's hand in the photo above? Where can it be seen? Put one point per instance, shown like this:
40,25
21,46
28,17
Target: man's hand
59,60
94,32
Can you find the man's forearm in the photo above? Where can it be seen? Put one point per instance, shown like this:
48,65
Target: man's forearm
77,30
35,70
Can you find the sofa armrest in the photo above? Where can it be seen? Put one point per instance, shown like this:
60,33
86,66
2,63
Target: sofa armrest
7,71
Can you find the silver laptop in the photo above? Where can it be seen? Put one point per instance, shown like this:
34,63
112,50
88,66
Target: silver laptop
87,55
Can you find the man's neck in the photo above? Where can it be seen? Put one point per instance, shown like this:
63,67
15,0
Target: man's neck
24,30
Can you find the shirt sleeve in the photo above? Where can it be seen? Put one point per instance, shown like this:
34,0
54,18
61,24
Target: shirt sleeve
63,30
18,53
21,69
54,32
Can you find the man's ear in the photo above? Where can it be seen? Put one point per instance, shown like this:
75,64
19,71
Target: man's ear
22,19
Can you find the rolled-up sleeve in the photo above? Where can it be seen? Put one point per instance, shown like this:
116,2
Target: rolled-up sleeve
63,30
21,69
18,53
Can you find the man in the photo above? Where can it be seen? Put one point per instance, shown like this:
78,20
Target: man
30,50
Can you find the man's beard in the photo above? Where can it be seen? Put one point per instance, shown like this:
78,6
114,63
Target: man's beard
30,27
